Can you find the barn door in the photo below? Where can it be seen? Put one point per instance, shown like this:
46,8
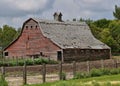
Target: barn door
59,55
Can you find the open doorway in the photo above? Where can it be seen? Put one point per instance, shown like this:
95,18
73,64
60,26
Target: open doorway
59,55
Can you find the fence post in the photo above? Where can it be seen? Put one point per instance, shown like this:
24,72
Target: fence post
60,70
102,63
74,69
44,73
32,59
88,66
115,62
24,74
3,72
17,61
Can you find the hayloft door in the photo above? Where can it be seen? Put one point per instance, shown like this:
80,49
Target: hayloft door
59,55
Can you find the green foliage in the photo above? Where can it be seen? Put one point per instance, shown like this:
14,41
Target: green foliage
63,75
105,71
117,12
7,35
108,32
81,75
96,73
114,71
3,82
95,30
102,23
29,62
21,62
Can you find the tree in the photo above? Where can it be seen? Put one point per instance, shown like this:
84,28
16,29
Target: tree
107,38
95,30
8,34
117,12
102,23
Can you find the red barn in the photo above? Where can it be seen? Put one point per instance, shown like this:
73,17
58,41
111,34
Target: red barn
57,39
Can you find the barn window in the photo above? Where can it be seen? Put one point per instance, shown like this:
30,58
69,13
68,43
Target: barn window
6,53
82,51
93,51
36,26
99,51
105,51
26,27
87,51
59,55
41,53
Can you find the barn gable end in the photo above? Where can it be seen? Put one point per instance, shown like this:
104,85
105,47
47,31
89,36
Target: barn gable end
32,42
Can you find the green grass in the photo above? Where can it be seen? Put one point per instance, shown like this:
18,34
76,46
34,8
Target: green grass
105,80
3,82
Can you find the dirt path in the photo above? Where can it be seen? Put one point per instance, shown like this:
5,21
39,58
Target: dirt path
18,81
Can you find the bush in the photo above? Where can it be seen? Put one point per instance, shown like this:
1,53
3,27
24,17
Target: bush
105,71
52,61
3,82
96,72
21,63
63,76
28,62
38,61
12,63
114,71
81,75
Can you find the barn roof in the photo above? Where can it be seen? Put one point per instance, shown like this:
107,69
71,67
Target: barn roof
70,34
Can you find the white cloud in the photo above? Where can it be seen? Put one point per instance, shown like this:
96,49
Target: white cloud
29,5
14,12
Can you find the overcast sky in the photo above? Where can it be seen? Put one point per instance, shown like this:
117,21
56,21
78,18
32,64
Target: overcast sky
15,12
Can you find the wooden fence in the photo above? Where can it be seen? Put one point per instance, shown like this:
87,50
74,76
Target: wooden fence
61,68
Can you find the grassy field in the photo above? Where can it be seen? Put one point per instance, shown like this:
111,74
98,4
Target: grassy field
108,80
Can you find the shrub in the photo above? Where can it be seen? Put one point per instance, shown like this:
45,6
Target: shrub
29,62
96,72
52,61
38,61
45,61
63,76
12,63
20,62
105,71
3,82
81,75
114,71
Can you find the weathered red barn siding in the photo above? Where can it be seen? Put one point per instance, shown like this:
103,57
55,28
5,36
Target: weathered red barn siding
32,42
